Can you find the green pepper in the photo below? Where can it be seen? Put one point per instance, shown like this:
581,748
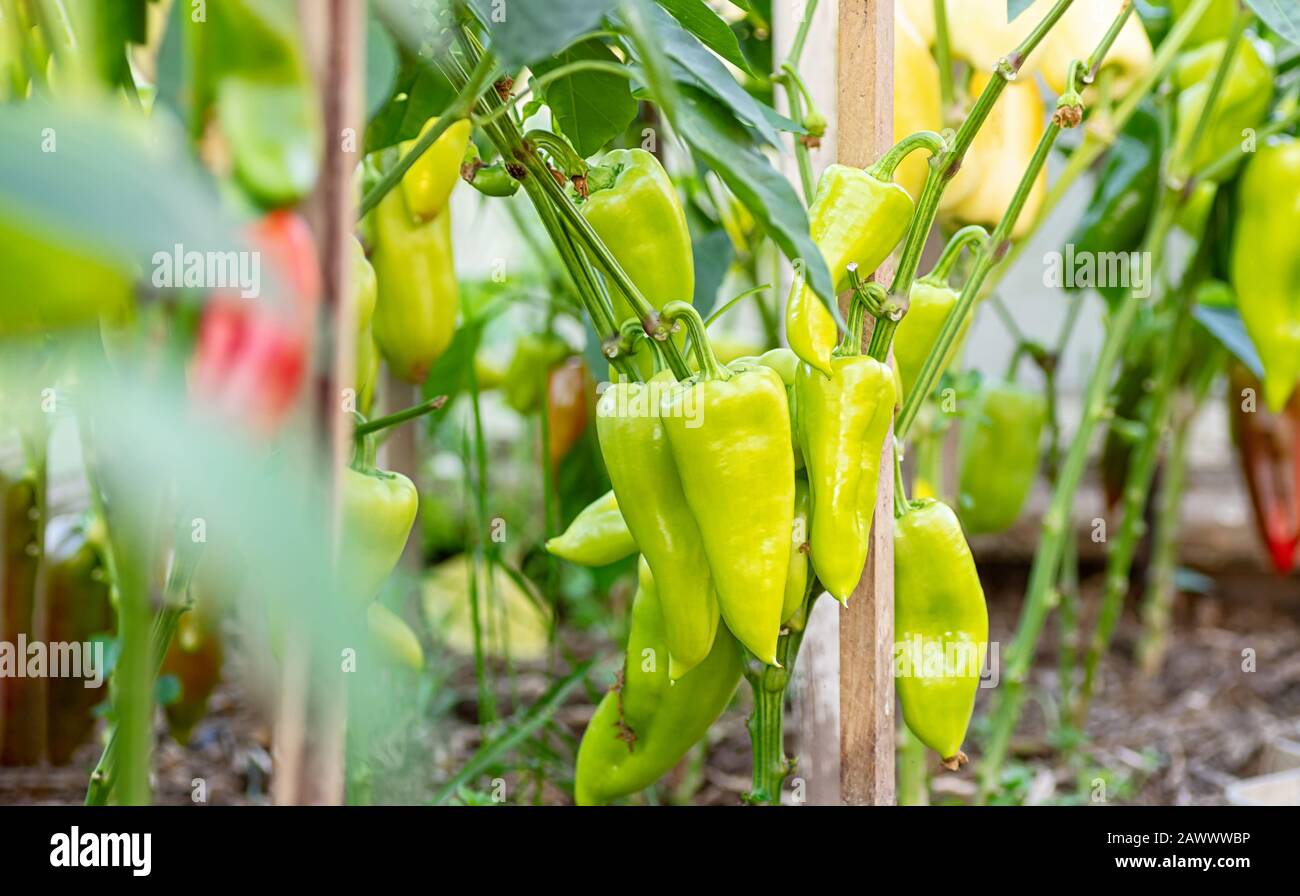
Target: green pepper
648,483
634,208
729,432
398,644
428,183
796,580
941,627
786,363
1214,23
265,97
61,286
415,315
1001,438
193,660
526,376
647,723
77,609
1266,264
1120,207
365,288
856,217
1243,102
597,536
379,510
929,304
843,422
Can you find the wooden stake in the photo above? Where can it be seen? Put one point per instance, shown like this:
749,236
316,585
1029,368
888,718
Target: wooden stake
865,112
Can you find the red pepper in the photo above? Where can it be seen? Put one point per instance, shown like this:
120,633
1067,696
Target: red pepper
1268,446
568,391
252,357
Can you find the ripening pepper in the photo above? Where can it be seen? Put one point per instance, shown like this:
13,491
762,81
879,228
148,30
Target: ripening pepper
729,432
597,536
398,643
991,170
1242,105
194,659
568,396
365,289
379,509
649,486
428,183
856,217
251,60
843,422
1268,448
648,721
941,627
528,374
1265,264
634,208
1001,438
796,580
77,610
1214,23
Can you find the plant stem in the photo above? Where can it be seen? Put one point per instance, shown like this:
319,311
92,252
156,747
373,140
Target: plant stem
1158,600
399,417
767,722
943,58
1056,522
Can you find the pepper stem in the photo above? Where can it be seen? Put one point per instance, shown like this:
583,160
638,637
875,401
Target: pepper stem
884,169
366,427
868,298
710,368
972,235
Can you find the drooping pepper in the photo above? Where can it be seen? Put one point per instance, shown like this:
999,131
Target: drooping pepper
941,627
1117,214
929,304
1242,104
397,642
729,432
650,486
843,422
194,661
252,61
1001,440
419,297
568,396
597,536
1268,448
428,183
648,722
634,208
857,217
379,509
77,610
1266,264
365,288
535,356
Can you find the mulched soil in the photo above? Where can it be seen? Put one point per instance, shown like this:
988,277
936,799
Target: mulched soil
1178,738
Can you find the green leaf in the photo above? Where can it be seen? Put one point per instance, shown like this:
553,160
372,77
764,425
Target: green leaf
418,94
713,254
381,66
1283,16
591,107
727,148
699,18
691,64
1225,325
525,31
